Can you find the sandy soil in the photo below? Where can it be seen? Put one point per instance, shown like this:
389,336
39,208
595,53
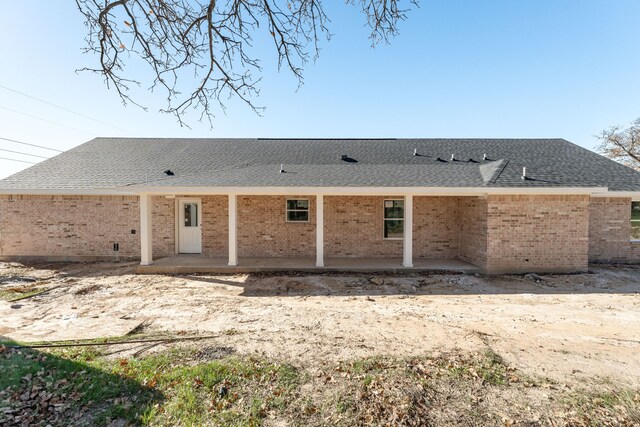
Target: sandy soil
570,328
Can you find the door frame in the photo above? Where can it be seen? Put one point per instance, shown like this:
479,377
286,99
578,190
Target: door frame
178,200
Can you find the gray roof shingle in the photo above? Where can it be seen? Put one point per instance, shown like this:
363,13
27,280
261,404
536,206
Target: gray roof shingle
126,162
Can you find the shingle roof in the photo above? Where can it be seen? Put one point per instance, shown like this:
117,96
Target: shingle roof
125,162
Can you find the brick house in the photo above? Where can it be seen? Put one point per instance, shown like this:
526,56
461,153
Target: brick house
502,205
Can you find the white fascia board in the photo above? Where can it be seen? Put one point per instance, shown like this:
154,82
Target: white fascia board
328,191
370,191
71,192
634,195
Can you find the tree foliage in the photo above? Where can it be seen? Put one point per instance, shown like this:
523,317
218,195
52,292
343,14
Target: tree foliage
622,144
200,52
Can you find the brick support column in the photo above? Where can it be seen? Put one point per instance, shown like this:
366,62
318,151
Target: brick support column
320,230
233,230
146,227
407,247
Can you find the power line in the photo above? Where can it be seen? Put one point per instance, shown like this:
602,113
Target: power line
32,145
16,160
26,154
44,120
65,109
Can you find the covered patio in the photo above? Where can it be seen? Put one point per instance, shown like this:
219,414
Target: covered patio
186,264
250,233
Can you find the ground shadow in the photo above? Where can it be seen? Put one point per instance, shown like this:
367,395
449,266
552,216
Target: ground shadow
601,280
40,388
66,269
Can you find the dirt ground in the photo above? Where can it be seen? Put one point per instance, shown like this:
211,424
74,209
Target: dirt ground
576,329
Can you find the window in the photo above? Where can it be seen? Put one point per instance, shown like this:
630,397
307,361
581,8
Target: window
635,220
190,214
297,210
393,219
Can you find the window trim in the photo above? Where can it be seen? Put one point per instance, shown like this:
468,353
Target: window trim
197,221
631,221
385,219
287,210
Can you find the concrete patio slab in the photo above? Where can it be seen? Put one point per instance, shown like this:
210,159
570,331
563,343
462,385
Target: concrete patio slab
184,264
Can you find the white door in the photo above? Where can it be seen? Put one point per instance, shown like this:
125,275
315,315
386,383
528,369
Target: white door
189,230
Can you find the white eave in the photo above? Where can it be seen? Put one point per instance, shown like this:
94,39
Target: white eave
634,195
70,192
328,191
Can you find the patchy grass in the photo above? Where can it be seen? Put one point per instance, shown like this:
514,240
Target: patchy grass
163,389
230,392
607,407
15,294
487,367
81,386
37,387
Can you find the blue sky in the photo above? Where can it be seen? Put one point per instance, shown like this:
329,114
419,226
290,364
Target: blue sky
464,68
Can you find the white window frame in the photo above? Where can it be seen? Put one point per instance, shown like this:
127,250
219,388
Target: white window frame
287,210
633,221
385,219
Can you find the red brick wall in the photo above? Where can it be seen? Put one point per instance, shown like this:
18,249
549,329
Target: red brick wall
69,226
353,228
537,233
473,230
436,227
163,223
215,225
610,231
523,233
264,232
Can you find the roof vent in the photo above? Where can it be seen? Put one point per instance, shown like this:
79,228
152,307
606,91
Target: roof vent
453,158
415,151
346,158
281,168
168,172
524,173
484,156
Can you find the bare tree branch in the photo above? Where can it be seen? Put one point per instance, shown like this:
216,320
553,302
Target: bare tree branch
622,145
211,41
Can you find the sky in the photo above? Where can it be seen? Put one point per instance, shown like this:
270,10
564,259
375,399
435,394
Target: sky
464,68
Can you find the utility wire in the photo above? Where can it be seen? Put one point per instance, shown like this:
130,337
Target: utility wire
16,160
20,152
32,145
65,109
44,120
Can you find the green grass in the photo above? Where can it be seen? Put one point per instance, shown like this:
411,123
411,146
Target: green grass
193,392
488,367
74,383
163,389
604,407
8,295
175,387
369,365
